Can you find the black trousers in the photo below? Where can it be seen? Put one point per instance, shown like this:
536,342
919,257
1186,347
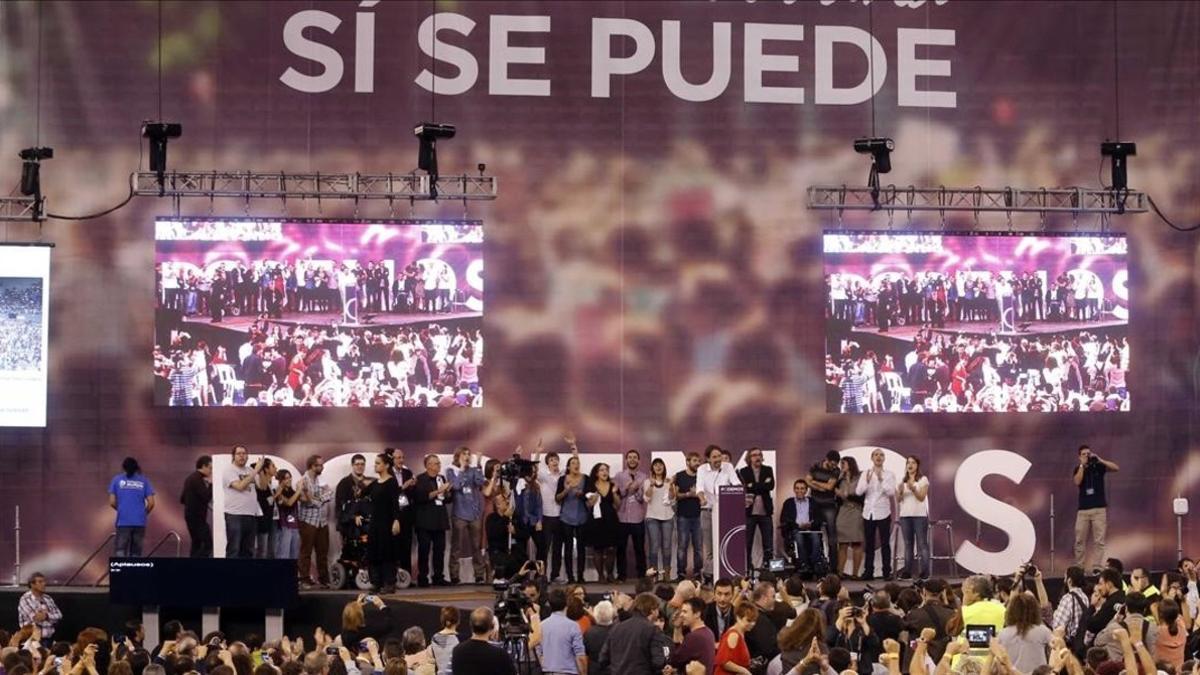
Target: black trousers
404,542
763,525
201,535
883,530
435,540
552,533
576,557
522,536
638,532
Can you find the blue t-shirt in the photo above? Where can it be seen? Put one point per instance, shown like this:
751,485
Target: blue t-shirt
131,494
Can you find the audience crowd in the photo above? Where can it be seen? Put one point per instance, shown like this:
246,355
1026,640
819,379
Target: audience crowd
279,365
20,325
1110,625
942,372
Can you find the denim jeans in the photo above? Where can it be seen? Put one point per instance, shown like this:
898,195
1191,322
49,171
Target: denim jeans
659,534
689,534
239,535
706,530
265,543
287,544
128,543
916,539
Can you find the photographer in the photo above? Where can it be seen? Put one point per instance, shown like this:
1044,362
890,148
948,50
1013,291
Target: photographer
562,649
851,632
1093,506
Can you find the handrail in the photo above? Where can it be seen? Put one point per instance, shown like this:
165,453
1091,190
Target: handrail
171,534
101,547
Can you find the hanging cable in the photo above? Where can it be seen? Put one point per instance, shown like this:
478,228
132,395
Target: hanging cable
160,68
1116,72
98,214
871,61
1165,219
37,135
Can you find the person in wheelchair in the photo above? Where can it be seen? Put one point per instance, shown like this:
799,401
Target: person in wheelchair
800,535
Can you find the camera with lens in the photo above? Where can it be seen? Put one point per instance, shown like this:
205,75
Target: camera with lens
511,605
517,468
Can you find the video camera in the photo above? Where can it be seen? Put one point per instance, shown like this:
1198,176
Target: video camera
511,605
517,468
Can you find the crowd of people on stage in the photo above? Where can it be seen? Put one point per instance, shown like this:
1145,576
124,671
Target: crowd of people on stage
936,298
20,327
613,522
797,622
278,365
942,372
302,287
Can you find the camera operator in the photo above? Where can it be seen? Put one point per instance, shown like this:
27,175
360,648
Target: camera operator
1093,507
562,651
852,632
479,655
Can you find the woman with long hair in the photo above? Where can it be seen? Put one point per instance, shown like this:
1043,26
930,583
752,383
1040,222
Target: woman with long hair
733,656
913,496
660,519
604,529
572,493
383,555
795,639
1025,636
849,518
267,532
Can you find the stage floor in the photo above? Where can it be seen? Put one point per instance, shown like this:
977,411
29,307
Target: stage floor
1034,329
241,323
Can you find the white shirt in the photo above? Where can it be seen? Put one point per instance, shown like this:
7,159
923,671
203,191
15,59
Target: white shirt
877,495
910,506
708,481
548,485
239,502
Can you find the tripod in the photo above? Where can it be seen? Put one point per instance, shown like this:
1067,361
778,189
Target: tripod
517,647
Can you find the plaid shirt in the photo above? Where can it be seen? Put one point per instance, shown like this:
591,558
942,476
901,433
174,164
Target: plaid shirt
1069,611
30,605
316,511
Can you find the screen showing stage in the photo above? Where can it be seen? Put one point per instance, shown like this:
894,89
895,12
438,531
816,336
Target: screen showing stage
960,322
24,312
290,312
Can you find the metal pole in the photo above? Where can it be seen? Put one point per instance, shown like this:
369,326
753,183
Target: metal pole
1179,537
17,547
1051,533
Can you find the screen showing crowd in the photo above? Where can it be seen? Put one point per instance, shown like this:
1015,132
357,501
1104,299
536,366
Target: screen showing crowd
949,322
254,312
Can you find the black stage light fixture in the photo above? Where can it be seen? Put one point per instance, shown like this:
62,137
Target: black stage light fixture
880,150
427,134
31,169
1120,151
159,133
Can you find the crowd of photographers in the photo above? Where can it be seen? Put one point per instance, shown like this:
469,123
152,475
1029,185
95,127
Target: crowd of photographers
1106,625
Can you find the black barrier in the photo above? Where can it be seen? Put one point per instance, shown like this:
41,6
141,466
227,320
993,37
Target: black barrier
202,582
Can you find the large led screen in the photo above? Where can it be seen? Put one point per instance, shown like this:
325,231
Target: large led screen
24,305
954,322
257,312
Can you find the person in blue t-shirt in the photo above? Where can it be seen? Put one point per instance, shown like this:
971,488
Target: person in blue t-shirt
132,497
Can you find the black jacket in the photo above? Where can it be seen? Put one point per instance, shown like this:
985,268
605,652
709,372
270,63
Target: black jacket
635,647
710,620
428,514
787,517
764,488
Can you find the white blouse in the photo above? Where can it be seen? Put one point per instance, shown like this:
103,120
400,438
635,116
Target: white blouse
910,506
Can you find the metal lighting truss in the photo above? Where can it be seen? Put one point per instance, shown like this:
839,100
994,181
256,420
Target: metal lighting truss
20,210
1078,201
259,185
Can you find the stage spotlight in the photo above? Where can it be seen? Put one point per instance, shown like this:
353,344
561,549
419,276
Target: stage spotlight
427,134
1120,152
159,133
31,169
880,150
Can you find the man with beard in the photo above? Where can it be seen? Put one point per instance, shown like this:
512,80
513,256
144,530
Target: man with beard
630,484
348,487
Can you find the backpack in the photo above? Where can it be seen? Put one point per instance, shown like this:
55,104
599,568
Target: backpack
1077,641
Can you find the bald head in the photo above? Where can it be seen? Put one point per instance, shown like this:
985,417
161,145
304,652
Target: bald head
482,622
